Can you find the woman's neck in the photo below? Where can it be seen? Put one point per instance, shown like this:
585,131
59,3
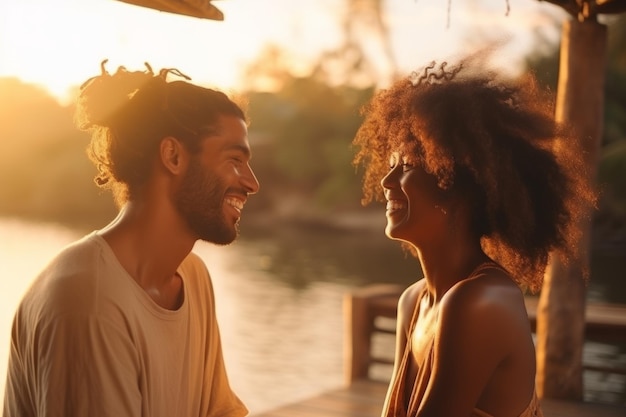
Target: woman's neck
443,268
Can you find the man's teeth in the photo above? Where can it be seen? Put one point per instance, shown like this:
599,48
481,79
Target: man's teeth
236,203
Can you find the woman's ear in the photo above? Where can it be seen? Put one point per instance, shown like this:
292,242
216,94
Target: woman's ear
173,155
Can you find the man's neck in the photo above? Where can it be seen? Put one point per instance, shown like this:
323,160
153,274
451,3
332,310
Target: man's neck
150,244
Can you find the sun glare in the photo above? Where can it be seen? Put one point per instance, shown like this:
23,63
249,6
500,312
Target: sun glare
60,44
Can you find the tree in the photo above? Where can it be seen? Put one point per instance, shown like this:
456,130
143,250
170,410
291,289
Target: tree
609,221
363,21
580,104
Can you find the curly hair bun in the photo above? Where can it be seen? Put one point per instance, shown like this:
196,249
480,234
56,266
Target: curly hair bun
103,96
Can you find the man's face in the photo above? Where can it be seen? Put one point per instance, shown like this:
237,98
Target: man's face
217,183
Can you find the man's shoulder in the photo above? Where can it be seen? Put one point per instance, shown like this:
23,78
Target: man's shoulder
193,266
75,259
69,279
196,273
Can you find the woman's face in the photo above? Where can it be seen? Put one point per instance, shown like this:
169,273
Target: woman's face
415,213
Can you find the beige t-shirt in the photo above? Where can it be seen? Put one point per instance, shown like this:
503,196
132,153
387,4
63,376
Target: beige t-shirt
88,341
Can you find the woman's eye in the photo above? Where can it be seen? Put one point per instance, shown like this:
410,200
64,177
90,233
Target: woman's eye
407,166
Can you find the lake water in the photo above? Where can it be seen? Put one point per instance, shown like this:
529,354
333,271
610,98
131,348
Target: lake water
279,304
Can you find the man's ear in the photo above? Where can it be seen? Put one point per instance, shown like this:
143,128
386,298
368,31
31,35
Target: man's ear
173,155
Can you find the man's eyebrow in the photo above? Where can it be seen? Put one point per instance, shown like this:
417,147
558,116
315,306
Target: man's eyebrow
237,147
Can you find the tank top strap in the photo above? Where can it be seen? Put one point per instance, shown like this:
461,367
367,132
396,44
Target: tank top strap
416,310
395,404
483,267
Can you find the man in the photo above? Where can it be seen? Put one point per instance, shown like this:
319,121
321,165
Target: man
122,322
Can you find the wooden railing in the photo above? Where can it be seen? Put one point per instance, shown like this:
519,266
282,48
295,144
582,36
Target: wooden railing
371,311
363,309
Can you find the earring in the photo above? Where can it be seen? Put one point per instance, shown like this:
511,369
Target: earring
443,210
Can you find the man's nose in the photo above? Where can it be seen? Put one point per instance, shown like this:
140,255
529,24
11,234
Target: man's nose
250,182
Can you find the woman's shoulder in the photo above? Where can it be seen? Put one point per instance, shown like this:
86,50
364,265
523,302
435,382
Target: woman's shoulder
410,295
491,294
408,302
487,282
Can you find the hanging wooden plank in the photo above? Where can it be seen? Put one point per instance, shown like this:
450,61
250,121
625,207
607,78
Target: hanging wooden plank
202,9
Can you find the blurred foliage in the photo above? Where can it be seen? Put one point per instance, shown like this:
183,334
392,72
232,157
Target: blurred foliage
300,136
301,129
44,170
613,170
308,127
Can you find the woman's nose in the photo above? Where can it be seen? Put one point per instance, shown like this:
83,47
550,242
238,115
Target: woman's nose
388,180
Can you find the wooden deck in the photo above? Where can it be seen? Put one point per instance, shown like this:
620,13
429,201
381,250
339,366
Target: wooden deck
360,399
372,310
364,398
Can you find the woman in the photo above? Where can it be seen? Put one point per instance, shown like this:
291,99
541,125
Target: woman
480,189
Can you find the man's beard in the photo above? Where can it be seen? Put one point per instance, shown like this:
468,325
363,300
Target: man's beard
200,201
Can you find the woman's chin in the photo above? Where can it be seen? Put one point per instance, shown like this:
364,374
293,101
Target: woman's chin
392,232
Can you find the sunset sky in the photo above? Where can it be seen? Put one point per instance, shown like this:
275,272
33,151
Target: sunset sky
60,43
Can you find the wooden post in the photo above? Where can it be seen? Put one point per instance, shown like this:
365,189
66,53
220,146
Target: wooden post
357,341
561,310
361,307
